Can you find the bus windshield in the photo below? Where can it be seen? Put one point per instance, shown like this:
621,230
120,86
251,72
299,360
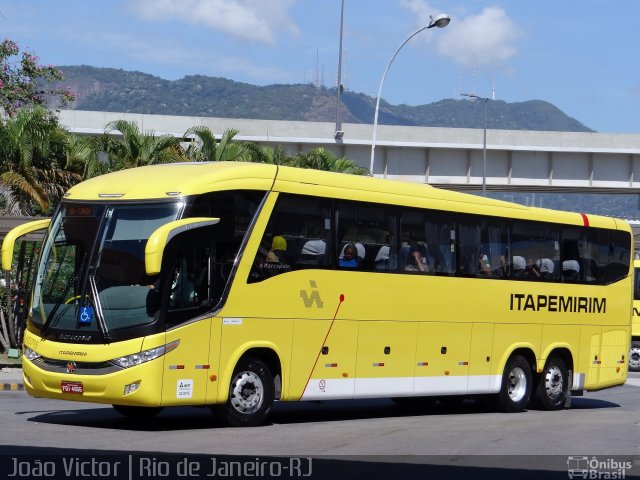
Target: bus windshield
91,276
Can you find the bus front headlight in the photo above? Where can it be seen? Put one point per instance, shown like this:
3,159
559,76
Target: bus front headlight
29,354
144,356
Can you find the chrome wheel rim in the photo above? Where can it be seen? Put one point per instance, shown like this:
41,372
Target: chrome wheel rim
517,387
247,393
634,357
554,382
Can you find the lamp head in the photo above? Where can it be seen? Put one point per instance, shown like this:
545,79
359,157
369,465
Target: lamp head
440,21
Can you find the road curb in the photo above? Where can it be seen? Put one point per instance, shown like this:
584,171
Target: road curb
12,387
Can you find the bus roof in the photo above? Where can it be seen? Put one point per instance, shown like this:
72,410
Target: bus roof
167,181
174,179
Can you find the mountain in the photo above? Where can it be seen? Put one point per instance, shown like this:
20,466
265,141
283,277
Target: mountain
620,205
116,90
107,89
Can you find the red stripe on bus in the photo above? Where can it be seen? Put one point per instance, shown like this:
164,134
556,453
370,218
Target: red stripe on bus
324,342
585,220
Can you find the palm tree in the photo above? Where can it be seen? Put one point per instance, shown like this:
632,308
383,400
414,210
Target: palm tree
81,154
322,159
206,148
134,148
263,154
32,146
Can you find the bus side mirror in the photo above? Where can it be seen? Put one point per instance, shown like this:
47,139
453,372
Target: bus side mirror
160,238
13,235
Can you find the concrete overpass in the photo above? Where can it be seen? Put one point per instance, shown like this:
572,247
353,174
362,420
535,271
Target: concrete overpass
451,158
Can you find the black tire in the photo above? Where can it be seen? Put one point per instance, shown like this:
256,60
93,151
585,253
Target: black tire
634,356
515,388
553,383
137,412
251,395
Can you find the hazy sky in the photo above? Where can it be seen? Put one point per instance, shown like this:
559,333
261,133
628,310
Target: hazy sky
579,55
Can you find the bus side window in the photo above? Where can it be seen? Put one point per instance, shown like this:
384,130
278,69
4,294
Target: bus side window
535,250
296,237
470,247
603,256
439,244
367,227
572,270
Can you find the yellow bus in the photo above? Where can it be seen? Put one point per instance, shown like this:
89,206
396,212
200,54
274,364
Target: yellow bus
235,285
634,352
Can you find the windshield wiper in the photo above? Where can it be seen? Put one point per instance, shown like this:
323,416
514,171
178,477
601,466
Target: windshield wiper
96,301
52,316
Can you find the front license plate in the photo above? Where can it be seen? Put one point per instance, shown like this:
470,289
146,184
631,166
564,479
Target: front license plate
71,387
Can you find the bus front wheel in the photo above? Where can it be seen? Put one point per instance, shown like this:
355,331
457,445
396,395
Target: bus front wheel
515,389
551,392
251,395
634,356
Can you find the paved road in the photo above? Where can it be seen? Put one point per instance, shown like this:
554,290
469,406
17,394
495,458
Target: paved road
602,425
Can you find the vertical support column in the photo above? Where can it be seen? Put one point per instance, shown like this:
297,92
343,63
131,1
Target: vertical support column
590,169
468,167
427,164
385,160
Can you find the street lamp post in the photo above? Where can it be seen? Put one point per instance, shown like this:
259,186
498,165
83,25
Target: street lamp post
339,133
484,141
440,21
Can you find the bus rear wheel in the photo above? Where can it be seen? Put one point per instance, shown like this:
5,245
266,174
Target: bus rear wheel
634,356
251,395
137,412
551,392
515,389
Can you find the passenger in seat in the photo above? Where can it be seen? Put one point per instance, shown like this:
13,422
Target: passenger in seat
312,252
417,261
546,268
570,270
278,250
349,257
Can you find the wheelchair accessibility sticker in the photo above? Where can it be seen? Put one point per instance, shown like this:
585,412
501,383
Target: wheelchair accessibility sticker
85,316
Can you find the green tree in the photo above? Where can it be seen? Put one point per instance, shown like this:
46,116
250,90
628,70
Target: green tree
81,155
33,177
322,159
24,83
263,154
206,148
133,148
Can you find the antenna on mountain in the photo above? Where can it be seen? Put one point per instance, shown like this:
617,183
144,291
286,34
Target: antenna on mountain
316,75
473,81
493,87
